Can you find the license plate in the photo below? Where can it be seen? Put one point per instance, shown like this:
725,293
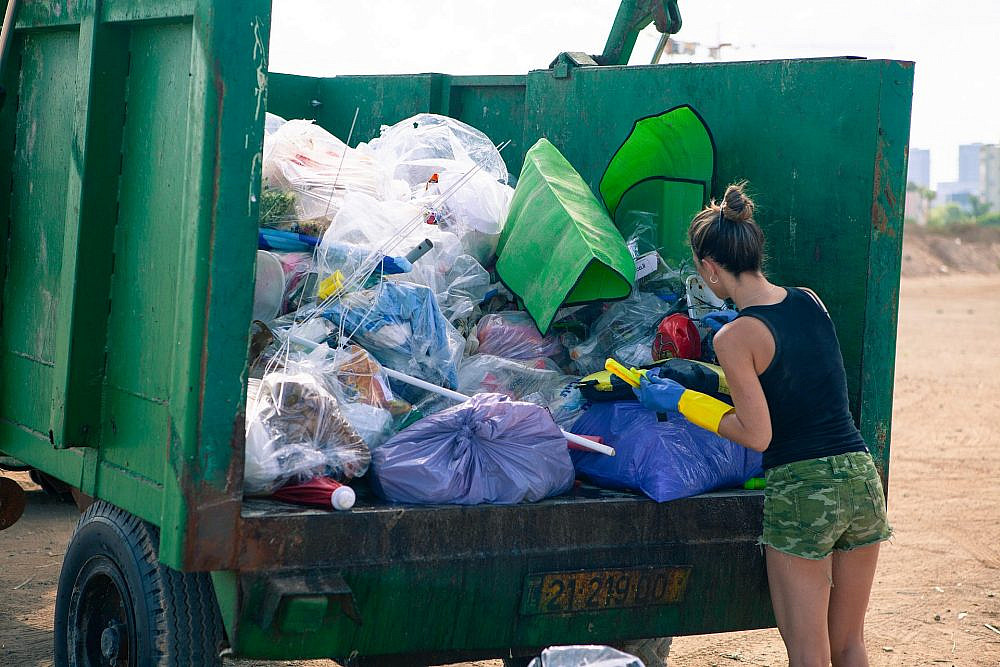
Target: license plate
594,590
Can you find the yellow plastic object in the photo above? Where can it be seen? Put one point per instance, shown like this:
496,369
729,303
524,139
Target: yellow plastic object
630,375
703,410
330,285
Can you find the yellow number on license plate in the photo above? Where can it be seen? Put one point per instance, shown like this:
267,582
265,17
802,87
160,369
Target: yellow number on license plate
594,590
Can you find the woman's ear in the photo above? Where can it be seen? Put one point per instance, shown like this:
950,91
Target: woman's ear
709,266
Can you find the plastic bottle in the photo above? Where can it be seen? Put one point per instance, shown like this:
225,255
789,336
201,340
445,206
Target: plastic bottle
342,497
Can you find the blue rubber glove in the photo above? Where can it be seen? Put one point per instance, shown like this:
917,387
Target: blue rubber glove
718,319
659,394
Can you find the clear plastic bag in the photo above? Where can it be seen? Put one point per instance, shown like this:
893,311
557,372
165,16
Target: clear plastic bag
308,169
475,210
625,332
296,431
415,149
366,229
487,450
513,335
539,382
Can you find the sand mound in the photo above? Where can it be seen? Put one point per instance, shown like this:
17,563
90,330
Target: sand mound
955,250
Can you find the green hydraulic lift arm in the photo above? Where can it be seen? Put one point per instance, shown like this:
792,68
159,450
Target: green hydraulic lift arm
633,16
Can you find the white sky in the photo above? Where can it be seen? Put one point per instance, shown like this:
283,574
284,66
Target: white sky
955,44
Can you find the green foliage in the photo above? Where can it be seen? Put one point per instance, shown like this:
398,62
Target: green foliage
276,207
980,208
990,219
948,214
951,214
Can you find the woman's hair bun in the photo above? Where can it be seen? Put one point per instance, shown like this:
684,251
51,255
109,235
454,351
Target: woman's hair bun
736,206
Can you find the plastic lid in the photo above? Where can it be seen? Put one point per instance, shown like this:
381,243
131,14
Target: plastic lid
343,498
269,289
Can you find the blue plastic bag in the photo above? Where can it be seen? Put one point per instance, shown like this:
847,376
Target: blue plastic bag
665,460
401,325
489,449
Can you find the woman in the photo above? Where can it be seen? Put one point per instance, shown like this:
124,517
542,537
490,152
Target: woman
824,509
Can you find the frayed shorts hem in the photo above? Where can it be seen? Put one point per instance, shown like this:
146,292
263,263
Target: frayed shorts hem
877,540
763,544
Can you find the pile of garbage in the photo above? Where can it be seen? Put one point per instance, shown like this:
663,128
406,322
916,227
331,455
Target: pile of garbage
403,332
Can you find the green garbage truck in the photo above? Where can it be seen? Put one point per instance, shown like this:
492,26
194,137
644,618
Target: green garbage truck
130,168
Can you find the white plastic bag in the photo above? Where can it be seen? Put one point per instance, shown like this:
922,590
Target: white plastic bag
585,656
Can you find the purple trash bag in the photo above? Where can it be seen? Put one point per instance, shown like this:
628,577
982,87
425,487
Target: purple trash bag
489,449
665,460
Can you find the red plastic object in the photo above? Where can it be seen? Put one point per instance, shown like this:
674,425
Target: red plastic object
676,337
318,492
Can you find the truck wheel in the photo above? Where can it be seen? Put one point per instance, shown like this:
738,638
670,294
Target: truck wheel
117,606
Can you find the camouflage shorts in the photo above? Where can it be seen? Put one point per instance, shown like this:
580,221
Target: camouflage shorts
813,507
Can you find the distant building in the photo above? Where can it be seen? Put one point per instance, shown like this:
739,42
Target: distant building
918,169
989,176
968,163
957,192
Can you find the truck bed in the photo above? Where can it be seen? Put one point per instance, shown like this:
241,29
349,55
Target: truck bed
588,517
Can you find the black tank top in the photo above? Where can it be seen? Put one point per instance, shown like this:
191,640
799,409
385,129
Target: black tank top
805,384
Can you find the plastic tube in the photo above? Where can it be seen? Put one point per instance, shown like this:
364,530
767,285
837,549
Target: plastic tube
461,398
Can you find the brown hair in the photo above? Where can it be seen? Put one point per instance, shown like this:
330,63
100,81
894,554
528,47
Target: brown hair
726,233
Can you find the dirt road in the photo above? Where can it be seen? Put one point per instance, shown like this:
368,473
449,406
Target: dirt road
938,583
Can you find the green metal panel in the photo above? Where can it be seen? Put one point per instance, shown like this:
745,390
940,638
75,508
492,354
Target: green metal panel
803,133
884,252
134,132
146,238
31,295
493,104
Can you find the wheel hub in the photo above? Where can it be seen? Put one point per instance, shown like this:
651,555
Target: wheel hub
103,632
111,640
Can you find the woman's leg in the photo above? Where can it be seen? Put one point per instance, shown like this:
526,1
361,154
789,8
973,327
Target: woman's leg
800,593
853,573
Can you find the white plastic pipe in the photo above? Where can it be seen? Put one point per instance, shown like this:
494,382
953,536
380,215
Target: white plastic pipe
454,395
461,398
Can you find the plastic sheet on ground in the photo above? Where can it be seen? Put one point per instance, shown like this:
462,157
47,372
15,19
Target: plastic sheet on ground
624,332
401,325
296,431
487,450
585,656
665,460
366,229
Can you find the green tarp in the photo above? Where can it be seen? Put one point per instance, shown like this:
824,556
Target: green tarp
559,246
662,174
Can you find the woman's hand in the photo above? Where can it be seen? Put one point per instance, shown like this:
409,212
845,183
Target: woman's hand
659,394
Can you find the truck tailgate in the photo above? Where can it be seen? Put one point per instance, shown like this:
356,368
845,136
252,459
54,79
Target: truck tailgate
593,566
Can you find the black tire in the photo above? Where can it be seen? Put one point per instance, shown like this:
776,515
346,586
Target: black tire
117,606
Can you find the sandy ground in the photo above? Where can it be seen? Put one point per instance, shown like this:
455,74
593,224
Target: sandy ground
938,582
